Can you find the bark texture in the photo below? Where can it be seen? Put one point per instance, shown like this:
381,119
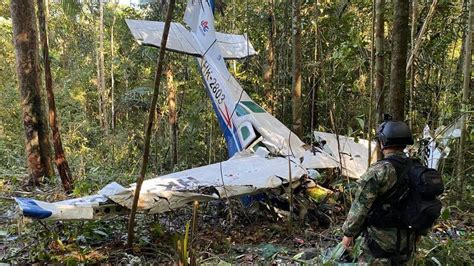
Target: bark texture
414,14
112,76
102,92
172,116
297,58
268,75
379,60
60,157
468,83
27,65
400,37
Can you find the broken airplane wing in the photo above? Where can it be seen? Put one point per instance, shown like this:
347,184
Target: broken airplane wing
235,177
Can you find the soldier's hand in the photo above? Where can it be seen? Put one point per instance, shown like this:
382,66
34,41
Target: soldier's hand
347,241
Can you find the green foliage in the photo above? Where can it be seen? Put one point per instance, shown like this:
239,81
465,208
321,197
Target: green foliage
340,72
447,250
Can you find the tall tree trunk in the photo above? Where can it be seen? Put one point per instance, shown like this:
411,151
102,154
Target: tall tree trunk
60,157
173,116
268,75
26,48
296,80
316,77
417,44
460,63
414,14
151,116
112,77
468,82
102,92
372,83
398,64
99,94
379,66
46,152
172,113
379,60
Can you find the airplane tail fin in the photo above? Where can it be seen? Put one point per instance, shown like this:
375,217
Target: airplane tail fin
200,18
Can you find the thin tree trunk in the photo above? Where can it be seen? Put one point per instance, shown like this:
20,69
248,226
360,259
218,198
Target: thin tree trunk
27,64
99,94
414,14
379,60
316,78
379,65
112,77
460,62
417,45
46,152
372,85
399,59
172,113
60,157
102,92
151,115
468,82
268,75
297,58
172,116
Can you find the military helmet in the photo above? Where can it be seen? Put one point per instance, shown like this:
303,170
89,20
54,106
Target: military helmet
394,134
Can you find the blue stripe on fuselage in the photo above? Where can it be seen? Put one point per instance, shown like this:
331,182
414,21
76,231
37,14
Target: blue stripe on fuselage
213,5
231,137
31,209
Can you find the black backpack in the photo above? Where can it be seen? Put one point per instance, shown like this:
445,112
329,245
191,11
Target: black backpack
412,202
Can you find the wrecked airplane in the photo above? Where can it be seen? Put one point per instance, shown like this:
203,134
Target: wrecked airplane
263,152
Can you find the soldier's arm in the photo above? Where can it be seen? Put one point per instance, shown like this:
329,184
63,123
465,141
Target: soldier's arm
370,187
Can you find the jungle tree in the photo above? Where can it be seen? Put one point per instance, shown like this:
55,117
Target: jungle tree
60,157
27,65
400,35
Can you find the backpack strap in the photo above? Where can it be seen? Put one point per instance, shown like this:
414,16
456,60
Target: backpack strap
400,188
396,193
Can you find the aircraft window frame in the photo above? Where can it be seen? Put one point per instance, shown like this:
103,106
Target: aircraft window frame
255,108
245,134
241,111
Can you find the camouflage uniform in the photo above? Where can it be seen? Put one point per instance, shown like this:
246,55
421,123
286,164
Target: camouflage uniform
378,179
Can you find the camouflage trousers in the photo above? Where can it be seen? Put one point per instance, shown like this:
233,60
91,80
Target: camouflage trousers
366,258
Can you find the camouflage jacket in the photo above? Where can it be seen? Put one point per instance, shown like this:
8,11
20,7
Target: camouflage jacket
378,179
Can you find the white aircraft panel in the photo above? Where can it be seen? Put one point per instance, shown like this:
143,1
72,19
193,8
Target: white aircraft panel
234,46
150,33
354,155
240,175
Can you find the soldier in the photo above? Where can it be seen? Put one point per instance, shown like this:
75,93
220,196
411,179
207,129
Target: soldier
380,244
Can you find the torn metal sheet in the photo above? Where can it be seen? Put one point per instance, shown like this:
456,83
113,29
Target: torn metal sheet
234,177
352,156
436,148
74,209
233,46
